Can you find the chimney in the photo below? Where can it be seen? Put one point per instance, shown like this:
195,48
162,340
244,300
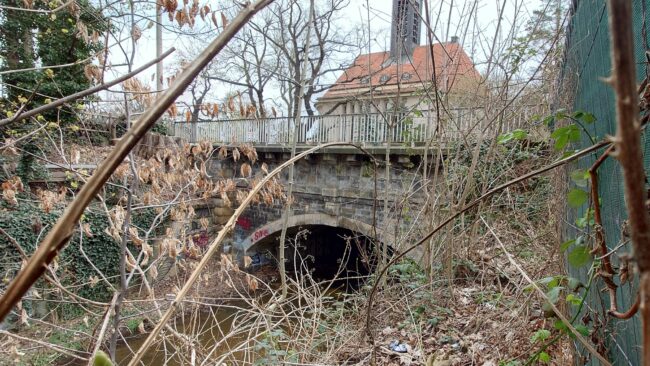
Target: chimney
405,29
454,39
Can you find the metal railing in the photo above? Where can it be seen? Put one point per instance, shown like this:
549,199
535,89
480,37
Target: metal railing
413,128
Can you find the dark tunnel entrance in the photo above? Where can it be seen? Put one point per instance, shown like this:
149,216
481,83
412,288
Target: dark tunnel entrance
324,252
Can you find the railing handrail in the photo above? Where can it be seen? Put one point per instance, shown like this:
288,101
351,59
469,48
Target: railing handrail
340,115
355,127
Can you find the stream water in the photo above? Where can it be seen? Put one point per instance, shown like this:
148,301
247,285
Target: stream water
210,327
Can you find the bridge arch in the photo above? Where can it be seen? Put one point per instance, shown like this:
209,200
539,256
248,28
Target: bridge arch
326,249
314,219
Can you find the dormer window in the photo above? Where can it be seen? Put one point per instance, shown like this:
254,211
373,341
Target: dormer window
365,80
406,76
384,79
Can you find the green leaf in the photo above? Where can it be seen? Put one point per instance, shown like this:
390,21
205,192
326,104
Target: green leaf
577,197
546,280
578,114
580,177
548,120
540,336
573,299
588,118
544,357
579,256
567,244
554,294
519,134
561,114
559,132
559,325
574,133
504,138
574,283
582,330
101,359
561,142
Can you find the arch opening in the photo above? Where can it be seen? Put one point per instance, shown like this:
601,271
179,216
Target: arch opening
323,252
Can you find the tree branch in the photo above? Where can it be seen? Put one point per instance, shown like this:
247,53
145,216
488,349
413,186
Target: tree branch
629,152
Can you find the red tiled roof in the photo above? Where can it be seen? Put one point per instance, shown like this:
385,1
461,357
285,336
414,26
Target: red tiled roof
450,58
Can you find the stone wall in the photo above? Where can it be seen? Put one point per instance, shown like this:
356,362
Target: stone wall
334,189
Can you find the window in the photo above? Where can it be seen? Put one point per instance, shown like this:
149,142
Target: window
384,78
416,24
406,76
365,80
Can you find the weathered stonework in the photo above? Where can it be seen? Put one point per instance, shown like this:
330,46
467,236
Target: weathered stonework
333,189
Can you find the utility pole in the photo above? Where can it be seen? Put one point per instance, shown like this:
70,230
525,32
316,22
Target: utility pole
159,65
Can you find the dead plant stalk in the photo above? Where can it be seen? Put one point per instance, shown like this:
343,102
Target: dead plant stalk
629,153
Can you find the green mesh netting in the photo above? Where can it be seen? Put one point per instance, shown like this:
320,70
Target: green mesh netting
587,62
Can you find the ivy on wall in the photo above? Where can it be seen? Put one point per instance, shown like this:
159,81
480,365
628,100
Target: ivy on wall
28,224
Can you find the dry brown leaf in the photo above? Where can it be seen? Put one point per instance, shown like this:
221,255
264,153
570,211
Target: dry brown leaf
223,152
204,223
82,32
24,317
136,33
253,285
75,155
224,20
153,272
214,19
141,329
133,235
9,195
86,229
246,170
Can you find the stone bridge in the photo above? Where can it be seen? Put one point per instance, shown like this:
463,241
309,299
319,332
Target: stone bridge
333,201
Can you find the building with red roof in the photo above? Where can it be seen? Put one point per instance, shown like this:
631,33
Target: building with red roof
407,75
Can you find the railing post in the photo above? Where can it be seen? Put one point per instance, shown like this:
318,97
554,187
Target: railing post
193,131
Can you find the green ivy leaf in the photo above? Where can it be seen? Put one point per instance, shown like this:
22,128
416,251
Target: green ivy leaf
577,197
579,256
